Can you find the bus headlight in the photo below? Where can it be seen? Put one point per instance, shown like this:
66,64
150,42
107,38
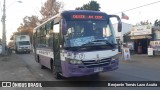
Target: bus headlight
79,62
116,57
73,61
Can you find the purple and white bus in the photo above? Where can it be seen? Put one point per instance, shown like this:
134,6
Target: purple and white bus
77,43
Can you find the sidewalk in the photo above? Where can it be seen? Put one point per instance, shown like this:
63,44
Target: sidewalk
13,69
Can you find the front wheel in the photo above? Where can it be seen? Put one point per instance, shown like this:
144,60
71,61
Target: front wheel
57,75
16,52
43,67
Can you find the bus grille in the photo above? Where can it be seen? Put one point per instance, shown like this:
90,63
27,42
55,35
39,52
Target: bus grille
24,47
95,63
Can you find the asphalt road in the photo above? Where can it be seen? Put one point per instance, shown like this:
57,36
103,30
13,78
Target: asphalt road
140,68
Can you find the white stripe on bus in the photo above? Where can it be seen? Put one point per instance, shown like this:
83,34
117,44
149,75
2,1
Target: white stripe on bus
45,53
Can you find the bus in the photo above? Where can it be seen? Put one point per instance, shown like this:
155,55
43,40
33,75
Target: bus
77,43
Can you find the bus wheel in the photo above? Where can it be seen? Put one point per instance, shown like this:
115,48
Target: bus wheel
16,52
43,67
57,75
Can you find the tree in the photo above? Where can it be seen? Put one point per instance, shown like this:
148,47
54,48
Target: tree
157,23
29,23
10,44
50,8
14,33
143,23
92,5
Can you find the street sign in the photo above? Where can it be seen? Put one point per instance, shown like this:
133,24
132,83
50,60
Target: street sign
126,54
150,51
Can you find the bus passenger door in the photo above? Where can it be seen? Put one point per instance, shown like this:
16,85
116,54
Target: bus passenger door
56,52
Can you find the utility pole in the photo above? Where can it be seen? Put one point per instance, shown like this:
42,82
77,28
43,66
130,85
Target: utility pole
4,29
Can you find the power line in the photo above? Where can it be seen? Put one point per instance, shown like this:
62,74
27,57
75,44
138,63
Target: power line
139,7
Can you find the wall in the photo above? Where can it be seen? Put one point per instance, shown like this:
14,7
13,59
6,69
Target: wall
125,29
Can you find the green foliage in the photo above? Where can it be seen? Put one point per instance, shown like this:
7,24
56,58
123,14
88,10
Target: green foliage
26,28
29,23
14,33
143,23
157,23
92,5
50,8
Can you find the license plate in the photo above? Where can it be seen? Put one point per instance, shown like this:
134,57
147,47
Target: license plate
98,69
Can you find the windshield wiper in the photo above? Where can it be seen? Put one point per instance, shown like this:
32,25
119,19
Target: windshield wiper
97,42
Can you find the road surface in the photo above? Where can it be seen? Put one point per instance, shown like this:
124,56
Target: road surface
140,68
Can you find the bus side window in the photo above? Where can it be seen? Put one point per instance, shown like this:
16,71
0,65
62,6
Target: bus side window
56,28
56,25
44,30
38,32
47,27
51,25
50,40
38,41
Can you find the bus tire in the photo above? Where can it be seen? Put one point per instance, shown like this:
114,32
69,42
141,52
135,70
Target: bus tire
38,59
16,52
57,75
43,67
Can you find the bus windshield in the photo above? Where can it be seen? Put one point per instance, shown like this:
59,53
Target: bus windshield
89,33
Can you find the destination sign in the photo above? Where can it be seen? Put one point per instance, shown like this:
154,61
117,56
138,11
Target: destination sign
98,17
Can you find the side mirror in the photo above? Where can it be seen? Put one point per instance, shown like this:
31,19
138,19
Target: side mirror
119,27
119,22
64,27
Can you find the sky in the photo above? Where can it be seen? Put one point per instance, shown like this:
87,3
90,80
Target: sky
15,11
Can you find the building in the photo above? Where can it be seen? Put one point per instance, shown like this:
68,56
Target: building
145,36
155,41
120,35
125,29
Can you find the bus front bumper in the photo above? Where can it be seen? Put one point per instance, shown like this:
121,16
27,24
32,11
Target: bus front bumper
70,70
23,50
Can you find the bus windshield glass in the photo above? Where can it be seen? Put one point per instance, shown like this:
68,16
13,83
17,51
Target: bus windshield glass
89,33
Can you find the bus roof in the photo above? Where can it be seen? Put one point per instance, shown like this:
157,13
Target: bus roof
82,12
67,15
57,15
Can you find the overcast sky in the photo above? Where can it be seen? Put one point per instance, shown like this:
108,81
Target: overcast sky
16,11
